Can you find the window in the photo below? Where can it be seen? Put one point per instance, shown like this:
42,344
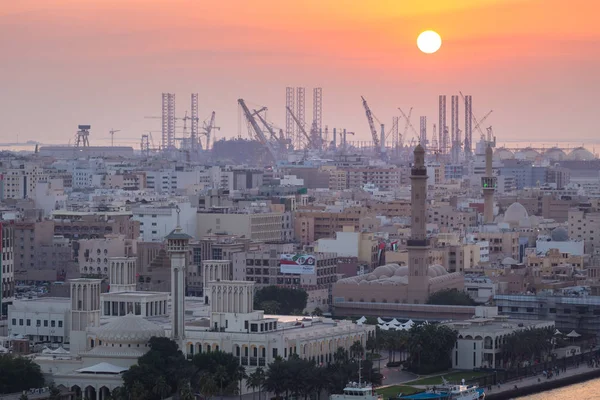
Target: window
28,322
529,309
514,309
60,324
46,323
552,310
14,321
253,328
52,324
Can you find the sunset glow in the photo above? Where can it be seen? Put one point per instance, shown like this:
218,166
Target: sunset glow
226,49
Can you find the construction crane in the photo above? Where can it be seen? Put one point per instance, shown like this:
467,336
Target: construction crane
279,139
112,136
306,135
259,133
209,128
401,140
482,120
372,128
410,125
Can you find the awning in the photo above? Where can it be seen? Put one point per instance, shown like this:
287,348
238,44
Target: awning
102,368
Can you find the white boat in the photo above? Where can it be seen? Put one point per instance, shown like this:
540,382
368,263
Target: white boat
452,392
357,391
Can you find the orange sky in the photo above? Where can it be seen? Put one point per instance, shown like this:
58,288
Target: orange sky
105,62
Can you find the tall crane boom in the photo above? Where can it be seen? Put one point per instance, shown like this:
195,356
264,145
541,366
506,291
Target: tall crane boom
306,135
410,125
369,114
259,133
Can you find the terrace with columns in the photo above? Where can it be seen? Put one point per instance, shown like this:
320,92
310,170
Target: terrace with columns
257,339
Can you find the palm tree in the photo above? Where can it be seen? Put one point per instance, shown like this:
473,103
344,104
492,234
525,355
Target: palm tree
256,380
161,388
207,385
220,377
276,378
356,350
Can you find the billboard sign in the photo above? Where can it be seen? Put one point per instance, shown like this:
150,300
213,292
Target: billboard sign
303,264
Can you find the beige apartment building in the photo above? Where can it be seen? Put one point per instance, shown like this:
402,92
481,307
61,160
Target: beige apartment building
446,216
94,254
390,209
502,244
95,224
315,223
585,226
552,259
348,243
267,226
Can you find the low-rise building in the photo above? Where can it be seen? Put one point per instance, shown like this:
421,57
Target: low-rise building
480,339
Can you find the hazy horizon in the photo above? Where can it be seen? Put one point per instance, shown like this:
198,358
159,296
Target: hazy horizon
106,63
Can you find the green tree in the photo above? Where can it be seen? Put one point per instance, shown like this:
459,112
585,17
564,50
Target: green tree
23,397
185,390
451,297
164,359
276,378
318,312
207,386
429,347
18,374
356,350
54,392
290,301
256,380
270,307
527,345
138,391
161,388
223,366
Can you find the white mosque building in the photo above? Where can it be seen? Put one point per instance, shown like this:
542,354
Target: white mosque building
110,331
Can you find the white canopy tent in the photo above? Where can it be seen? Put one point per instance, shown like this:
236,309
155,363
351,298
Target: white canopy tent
102,368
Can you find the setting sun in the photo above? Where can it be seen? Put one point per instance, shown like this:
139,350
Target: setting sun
429,42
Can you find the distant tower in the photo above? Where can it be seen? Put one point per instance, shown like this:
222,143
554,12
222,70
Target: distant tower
195,143
468,127
442,123
121,275
290,104
177,247
454,130
488,184
418,244
423,131
83,136
168,121
318,111
300,114
85,311
215,270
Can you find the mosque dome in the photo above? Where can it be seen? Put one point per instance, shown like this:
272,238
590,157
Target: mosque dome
581,154
436,270
515,214
129,329
559,234
509,261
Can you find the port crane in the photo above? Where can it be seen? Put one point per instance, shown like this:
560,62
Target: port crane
372,128
259,133
310,142
208,128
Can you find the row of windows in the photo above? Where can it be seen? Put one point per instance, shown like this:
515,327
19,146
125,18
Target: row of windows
38,323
